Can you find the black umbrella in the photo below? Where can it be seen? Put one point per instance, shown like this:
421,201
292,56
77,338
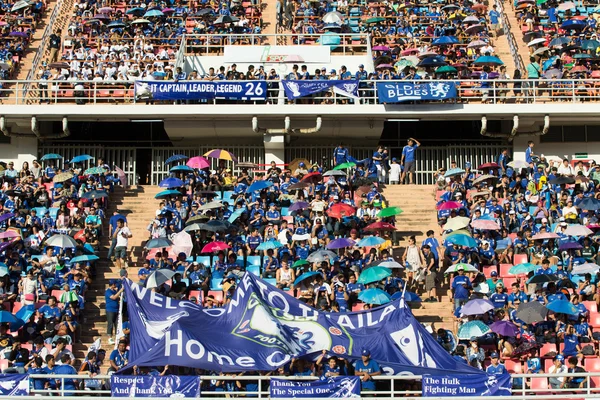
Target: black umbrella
215,226
529,36
436,61
226,19
205,11
532,312
561,180
543,278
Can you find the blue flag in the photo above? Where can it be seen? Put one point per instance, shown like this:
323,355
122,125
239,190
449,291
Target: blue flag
296,89
14,384
154,386
263,328
466,385
397,92
335,386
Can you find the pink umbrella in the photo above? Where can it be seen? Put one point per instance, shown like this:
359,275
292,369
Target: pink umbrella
198,162
214,247
182,243
105,10
449,205
545,235
408,52
427,53
485,224
8,235
122,176
381,48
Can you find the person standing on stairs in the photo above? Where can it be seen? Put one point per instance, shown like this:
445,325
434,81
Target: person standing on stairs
111,297
123,234
55,44
408,160
112,230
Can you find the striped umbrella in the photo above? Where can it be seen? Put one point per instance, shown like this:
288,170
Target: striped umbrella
221,154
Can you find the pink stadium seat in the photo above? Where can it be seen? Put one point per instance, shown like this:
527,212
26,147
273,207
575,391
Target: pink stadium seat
591,306
357,307
57,293
592,365
519,259
3,364
547,364
16,307
539,385
217,294
546,348
197,294
595,320
508,283
487,270
513,366
504,270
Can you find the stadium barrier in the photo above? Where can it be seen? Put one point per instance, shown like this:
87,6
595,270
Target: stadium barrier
534,386
531,91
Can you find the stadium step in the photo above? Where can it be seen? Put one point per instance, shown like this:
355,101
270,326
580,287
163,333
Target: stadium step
517,31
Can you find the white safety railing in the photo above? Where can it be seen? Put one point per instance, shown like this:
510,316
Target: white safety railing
532,91
340,44
525,386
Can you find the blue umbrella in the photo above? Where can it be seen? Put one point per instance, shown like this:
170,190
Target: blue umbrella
88,249
236,214
562,307
305,276
167,193
370,241
176,157
573,24
269,245
462,240
454,171
3,270
22,317
549,62
408,296
181,168
158,243
477,307
171,183
84,258
437,61
374,274
51,156
117,24
488,60
445,40
81,158
559,41
258,185
153,13
6,317
138,11
374,296
590,204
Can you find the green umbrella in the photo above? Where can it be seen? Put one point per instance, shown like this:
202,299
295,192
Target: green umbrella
375,20
472,328
300,263
389,212
522,269
345,165
68,297
374,274
538,2
400,65
94,171
446,69
466,267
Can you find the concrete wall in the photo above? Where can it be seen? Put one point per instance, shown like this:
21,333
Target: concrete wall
557,149
19,150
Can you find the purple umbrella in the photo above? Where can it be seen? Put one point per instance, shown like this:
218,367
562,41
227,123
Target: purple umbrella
384,66
299,205
493,75
570,246
4,217
20,34
340,243
505,328
101,16
381,48
476,307
4,245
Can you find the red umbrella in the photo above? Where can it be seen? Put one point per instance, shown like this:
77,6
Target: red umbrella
80,236
380,226
449,205
488,165
579,68
214,247
340,210
313,177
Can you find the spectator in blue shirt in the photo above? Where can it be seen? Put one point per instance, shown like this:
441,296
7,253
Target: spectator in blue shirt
529,154
495,368
119,357
408,160
111,297
366,369
460,288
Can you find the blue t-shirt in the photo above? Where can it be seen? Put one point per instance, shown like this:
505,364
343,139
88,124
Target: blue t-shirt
494,15
118,358
496,369
50,312
571,342
408,152
369,368
528,152
111,305
66,369
499,299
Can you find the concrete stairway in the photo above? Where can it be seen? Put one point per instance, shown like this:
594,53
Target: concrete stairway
502,50
419,216
518,33
138,205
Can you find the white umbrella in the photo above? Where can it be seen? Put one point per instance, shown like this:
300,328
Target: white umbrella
211,205
333,17
536,41
578,230
159,277
298,238
62,241
390,264
587,268
182,243
320,256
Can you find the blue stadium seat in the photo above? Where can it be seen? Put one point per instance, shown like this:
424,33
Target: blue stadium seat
215,284
285,211
217,275
53,212
272,281
254,269
253,260
180,269
203,260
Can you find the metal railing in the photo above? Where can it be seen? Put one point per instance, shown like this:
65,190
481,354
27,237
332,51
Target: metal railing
200,44
510,37
530,386
531,91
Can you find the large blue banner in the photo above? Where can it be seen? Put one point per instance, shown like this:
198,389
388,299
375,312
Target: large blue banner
296,89
198,90
14,384
154,386
466,385
333,387
397,92
262,328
